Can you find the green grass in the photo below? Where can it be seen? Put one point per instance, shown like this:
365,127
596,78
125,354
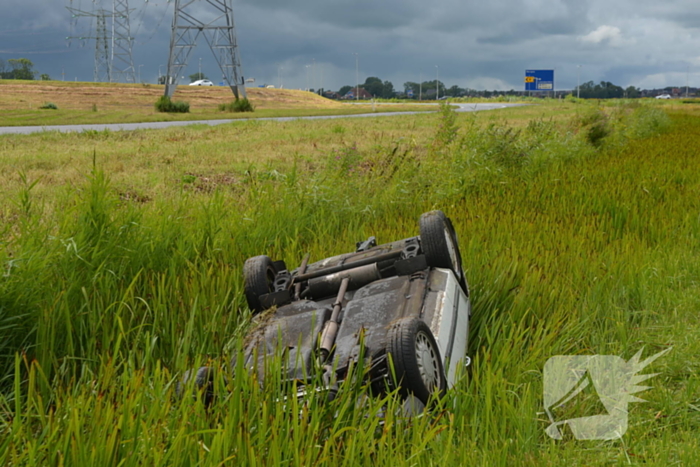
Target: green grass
79,117
122,270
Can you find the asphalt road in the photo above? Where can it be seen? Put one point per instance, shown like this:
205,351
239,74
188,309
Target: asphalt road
25,130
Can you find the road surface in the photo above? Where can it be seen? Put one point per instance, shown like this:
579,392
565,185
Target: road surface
25,130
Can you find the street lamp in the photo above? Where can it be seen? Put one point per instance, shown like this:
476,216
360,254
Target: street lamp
437,82
357,75
578,82
200,68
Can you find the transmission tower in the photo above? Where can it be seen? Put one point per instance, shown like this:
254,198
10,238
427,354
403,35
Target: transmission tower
103,70
220,34
113,47
122,58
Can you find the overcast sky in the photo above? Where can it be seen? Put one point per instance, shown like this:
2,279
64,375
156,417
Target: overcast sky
475,44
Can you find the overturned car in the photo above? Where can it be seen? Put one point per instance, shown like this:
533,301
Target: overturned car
402,307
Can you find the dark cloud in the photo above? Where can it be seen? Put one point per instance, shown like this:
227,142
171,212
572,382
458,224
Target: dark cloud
356,14
468,43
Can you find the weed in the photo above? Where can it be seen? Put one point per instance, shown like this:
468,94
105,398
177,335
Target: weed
447,129
594,125
346,160
239,105
165,104
49,106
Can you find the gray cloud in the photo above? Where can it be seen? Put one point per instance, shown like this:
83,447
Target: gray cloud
469,43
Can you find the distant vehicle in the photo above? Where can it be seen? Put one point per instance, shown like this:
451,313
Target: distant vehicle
663,96
202,82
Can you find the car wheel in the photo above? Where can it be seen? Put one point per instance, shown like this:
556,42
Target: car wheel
439,242
418,369
259,277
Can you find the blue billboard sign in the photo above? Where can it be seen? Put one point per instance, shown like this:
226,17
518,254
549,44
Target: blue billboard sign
539,80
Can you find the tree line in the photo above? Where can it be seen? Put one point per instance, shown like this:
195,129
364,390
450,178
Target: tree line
427,90
20,68
605,90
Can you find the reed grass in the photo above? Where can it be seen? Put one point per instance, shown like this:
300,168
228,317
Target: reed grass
107,298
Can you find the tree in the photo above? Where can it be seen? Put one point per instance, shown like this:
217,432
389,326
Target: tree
603,90
413,87
454,91
45,77
197,76
20,68
632,92
429,88
344,90
374,86
388,90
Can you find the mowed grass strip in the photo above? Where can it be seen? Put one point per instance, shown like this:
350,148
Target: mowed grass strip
569,249
86,103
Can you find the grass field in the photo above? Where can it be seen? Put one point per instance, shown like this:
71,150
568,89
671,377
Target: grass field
80,103
122,257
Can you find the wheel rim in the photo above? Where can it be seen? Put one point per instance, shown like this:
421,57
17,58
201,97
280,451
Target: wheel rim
452,251
427,359
270,276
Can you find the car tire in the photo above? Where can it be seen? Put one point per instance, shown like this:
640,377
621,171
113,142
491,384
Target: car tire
439,242
417,365
259,277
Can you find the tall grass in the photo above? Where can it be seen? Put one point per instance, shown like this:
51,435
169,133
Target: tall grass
569,248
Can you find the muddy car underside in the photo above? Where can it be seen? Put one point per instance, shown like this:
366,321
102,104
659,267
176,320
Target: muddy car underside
403,307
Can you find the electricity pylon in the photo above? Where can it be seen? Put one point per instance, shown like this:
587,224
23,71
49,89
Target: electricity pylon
218,30
102,71
113,51
122,58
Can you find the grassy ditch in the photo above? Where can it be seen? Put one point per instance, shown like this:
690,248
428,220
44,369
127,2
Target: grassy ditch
572,245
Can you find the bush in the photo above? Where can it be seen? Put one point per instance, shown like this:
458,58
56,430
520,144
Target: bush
49,105
239,105
595,126
165,104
